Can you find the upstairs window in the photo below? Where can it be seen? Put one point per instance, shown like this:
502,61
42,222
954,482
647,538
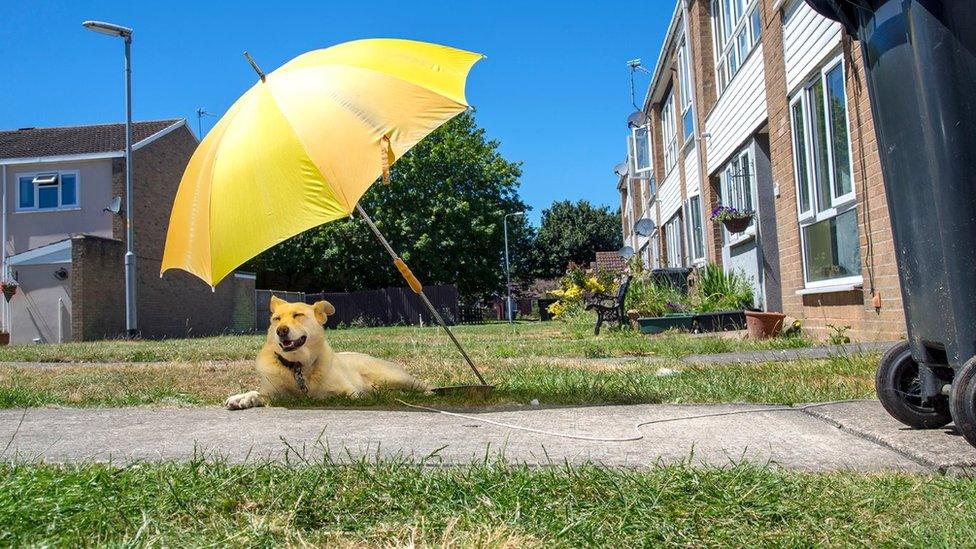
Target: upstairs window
670,133
53,190
641,150
736,26
684,86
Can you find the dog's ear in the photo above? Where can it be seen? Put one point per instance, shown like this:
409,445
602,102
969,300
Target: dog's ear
276,302
323,309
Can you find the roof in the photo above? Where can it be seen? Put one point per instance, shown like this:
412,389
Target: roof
78,140
610,262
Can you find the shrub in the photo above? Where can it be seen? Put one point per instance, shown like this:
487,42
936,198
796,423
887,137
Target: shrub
718,290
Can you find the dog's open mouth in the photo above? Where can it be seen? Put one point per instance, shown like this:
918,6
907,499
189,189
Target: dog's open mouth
288,345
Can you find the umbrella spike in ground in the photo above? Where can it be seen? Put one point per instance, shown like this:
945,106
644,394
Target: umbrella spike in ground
303,145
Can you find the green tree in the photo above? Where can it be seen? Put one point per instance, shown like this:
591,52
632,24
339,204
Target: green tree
442,211
574,232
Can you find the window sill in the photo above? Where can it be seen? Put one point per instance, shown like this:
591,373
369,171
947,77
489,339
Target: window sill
832,289
49,210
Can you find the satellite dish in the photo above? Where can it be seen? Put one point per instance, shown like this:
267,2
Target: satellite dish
626,252
621,169
644,226
115,206
637,119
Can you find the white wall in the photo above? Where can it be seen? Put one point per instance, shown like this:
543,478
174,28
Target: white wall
669,193
808,38
739,112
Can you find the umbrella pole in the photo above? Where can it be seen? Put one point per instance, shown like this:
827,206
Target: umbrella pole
418,289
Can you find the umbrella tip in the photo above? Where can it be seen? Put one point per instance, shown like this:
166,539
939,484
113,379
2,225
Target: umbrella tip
255,66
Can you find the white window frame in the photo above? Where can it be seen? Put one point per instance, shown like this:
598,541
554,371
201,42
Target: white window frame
633,150
684,88
669,131
732,20
36,208
734,187
696,238
675,242
840,204
655,249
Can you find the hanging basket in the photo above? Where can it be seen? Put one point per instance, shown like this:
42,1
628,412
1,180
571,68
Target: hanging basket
737,224
8,291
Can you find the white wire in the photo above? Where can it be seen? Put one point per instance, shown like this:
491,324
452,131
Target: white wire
637,427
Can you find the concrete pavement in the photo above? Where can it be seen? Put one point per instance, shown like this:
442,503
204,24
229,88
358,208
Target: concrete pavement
867,440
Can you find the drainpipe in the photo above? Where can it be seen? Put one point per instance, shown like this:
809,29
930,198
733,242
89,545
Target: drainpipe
60,320
5,308
703,186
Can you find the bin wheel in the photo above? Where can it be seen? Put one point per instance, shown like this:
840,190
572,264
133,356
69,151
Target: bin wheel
899,390
963,400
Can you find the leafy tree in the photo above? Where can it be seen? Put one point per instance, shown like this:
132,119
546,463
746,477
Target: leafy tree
574,232
442,211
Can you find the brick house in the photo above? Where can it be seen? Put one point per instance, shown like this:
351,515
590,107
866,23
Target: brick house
762,105
64,245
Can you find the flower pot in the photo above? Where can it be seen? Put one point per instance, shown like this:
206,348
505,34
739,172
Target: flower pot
764,325
720,321
4,338
9,291
737,224
658,324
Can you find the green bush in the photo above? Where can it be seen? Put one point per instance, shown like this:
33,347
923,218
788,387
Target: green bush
718,290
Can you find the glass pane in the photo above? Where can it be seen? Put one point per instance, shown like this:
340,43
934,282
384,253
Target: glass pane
746,180
642,157
696,227
756,23
69,191
717,19
47,196
839,145
800,157
743,41
833,248
819,136
688,122
733,62
727,19
26,193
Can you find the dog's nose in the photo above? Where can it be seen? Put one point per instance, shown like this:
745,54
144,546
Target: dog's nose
282,331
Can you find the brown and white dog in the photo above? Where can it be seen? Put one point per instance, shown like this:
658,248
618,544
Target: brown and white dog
296,361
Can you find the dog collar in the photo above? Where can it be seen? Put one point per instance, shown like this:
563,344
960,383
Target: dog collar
296,368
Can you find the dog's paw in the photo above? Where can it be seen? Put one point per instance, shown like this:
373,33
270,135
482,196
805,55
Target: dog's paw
243,401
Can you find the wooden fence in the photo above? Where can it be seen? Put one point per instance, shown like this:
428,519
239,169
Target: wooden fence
386,307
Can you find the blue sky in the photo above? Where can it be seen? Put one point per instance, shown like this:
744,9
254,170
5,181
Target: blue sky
554,89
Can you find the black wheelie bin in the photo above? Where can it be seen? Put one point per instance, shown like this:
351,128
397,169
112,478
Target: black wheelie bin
920,59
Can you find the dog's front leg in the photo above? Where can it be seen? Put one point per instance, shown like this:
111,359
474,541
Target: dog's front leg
243,401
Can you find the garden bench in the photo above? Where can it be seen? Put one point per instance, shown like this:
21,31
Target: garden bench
609,308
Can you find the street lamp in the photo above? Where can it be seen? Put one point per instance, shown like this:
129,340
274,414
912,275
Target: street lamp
508,278
125,34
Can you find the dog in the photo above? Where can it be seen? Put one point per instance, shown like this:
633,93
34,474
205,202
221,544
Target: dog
297,361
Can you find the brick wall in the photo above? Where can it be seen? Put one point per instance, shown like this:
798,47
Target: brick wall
177,304
97,288
880,273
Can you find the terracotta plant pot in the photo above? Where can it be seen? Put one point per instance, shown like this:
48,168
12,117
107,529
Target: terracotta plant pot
738,224
764,325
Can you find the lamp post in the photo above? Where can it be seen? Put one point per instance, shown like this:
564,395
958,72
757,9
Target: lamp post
508,278
125,34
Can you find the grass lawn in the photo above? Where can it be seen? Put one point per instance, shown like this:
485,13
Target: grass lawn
550,362
491,505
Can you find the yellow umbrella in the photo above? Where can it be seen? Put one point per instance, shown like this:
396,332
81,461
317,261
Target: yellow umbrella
302,145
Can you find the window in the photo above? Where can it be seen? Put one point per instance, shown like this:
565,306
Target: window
696,232
736,26
737,185
672,235
670,133
54,190
641,149
824,188
684,85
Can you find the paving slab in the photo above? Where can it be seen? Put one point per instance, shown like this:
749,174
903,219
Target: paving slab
791,439
782,355
943,449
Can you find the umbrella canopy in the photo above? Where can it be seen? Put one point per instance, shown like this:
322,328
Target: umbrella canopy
304,143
